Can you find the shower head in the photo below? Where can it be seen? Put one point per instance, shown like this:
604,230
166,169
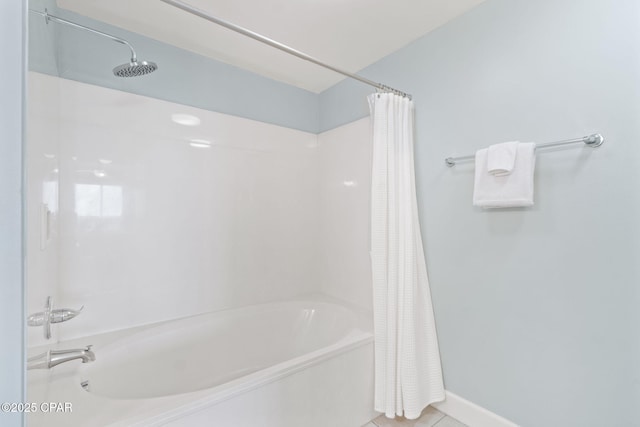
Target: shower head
135,69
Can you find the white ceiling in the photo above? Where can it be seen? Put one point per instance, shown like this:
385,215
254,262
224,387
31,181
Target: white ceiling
348,34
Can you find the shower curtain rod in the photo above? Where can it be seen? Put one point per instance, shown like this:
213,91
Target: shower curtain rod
594,140
278,45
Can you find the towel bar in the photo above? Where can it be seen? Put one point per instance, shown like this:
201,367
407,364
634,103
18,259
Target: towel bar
594,140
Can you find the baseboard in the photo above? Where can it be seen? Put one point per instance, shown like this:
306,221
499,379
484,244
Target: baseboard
469,413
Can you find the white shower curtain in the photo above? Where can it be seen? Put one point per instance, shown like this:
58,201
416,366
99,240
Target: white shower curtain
408,375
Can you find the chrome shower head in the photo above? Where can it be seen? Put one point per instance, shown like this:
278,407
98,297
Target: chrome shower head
135,68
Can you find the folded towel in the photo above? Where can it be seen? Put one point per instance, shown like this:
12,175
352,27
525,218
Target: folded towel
501,158
513,190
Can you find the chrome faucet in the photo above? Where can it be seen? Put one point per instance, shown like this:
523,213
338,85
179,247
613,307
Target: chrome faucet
55,357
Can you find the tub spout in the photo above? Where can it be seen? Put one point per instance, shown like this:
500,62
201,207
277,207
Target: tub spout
55,357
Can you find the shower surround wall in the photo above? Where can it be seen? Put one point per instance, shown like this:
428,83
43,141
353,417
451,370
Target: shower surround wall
344,156
146,227
537,309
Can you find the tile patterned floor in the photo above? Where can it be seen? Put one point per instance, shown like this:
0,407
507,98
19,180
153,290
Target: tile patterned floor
431,417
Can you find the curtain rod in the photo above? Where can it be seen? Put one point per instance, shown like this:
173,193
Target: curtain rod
278,45
594,140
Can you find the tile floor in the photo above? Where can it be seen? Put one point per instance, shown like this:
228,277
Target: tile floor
431,417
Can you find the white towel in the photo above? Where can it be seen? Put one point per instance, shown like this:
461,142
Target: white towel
501,158
513,190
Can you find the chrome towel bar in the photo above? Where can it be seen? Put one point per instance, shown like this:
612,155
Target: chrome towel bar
594,140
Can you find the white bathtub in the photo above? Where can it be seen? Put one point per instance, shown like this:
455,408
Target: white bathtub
298,363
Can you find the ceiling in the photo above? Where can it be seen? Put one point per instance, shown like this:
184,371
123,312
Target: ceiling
347,34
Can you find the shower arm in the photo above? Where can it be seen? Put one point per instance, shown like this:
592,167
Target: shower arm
48,17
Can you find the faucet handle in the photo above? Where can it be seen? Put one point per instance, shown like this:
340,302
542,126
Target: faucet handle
49,315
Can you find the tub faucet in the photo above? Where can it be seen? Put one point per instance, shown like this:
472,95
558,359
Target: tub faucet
55,357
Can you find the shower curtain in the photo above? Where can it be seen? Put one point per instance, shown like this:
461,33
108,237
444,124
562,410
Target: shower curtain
408,375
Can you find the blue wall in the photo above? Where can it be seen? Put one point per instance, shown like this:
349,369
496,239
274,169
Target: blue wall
536,309
12,46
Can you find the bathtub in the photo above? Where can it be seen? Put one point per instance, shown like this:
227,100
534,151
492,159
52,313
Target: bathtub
296,363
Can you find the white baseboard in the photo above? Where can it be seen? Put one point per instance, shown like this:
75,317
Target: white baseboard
469,413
